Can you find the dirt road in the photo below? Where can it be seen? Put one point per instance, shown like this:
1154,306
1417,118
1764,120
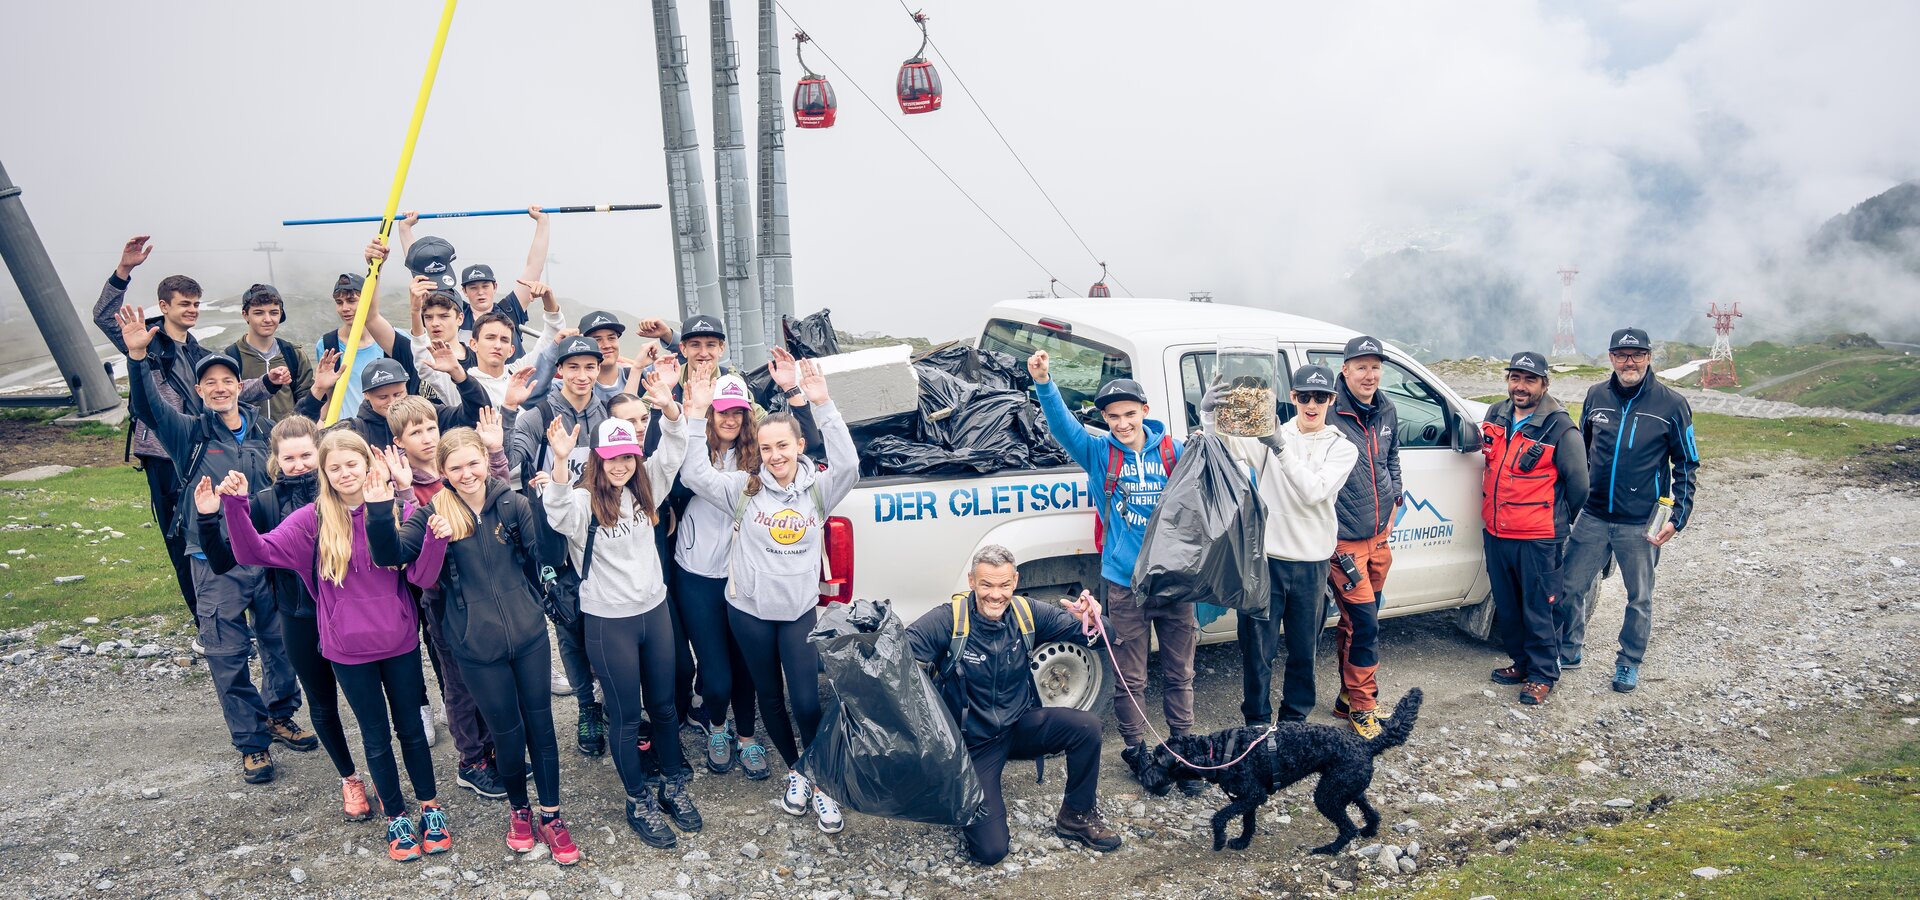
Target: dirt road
1784,643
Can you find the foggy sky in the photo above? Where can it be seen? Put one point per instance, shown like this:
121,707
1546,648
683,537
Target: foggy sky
1676,151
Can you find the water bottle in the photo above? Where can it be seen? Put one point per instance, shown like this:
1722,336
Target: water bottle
1662,513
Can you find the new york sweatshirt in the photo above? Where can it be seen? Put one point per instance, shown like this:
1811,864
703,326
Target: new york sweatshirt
627,578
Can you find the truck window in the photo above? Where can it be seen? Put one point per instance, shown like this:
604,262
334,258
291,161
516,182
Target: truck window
1079,366
1196,372
1422,411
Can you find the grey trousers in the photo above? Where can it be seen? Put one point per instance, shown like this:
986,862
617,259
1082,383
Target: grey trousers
1591,541
223,606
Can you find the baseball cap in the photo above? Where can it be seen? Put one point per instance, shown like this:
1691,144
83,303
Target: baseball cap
702,326
261,293
1630,338
380,373
1119,389
577,346
599,319
1529,362
214,359
432,257
1364,345
475,274
615,438
348,281
730,392
1312,379
441,290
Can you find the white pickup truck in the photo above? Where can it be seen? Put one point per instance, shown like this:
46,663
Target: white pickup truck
909,538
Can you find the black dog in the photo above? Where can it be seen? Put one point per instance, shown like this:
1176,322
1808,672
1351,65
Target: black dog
1293,751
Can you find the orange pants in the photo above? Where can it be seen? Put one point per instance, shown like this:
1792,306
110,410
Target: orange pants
1357,637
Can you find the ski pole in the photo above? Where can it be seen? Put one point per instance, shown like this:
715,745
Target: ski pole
604,207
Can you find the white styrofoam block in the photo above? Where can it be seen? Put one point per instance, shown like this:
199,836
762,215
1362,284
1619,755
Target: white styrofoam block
878,381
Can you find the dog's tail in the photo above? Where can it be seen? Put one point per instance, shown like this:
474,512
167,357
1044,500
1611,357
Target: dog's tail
1400,725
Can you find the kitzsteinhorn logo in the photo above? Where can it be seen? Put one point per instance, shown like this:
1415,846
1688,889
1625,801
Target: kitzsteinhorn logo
1419,523
786,527
1525,361
1601,417
1629,339
1369,345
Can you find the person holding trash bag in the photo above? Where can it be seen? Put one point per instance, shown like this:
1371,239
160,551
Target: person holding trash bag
1127,471
977,649
1297,471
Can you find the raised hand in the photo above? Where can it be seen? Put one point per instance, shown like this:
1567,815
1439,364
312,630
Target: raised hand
535,213
326,373
660,394
417,291
813,381
410,218
234,485
280,375
781,366
537,290
561,440
134,331
648,355
442,359
669,368
440,527
653,328
560,337
1038,366
394,461
133,254
204,499
492,433
519,388
375,249
379,484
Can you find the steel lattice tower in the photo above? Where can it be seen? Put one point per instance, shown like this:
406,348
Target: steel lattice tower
1719,369
1563,330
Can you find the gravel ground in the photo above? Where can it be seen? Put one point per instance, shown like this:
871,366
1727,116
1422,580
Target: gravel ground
1784,643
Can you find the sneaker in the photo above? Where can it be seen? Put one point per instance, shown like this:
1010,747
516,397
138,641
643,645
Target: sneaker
353,799
558,683
1626,678
256,768
592,730
520,830
679,804
402,844
1087,828
198,649
482,779
559,842
1365,723
426,722
1508,675
720,756
648,821
1574,663
828,812
287,732
1340,709
799,794
753,759
1535,693
433,829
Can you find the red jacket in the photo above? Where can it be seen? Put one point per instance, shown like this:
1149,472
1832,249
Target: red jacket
1536,477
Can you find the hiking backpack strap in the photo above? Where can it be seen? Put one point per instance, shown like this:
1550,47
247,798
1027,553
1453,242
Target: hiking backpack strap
1112,484
586,553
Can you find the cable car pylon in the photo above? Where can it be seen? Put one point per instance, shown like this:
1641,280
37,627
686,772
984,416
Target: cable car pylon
919,85
814,105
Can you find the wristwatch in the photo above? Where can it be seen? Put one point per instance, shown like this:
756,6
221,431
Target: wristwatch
795,393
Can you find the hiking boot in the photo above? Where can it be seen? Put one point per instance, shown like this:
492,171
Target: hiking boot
828,812
1365,723
679,804
592,730
287,732
799,794
353,799
482,779
434,837
649,821
1626,678
1509,675
403,845
256,768
1535,693
520,830
1574,663
1340,709
426,724
720,755
553,833
1086,827
753,759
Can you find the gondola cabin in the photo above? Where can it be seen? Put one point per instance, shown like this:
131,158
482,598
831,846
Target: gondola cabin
814,105
919,86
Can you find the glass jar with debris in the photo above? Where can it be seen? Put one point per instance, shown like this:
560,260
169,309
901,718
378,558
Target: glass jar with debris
1248,368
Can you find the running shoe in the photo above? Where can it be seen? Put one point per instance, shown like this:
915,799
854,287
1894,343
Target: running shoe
558,683
753,759
426,722
679,804
828,812
353,799
1365,723
1574,663
559,842
482,779
649,821
256,768
433,829
402,844
520,837
288,733
1626,678
799,794
592,730
720,751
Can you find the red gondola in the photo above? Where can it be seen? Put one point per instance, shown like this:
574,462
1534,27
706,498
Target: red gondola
919,85
813,103
1099,288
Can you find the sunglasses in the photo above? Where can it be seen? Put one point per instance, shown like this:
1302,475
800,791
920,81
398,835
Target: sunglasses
1315,398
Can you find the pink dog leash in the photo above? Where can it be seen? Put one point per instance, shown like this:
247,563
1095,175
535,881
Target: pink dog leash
1099,629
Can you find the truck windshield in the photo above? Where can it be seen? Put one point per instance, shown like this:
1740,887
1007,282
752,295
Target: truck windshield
1079,366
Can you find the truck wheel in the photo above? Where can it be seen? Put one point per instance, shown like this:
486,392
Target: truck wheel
1070,675
1477,620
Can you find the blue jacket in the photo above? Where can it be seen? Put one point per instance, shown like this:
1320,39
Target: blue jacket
1639,448
1142,479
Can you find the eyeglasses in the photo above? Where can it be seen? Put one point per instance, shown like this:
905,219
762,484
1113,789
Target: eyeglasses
1314,398
1629,355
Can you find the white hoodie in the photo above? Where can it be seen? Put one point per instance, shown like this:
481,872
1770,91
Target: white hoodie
1298,488
627,578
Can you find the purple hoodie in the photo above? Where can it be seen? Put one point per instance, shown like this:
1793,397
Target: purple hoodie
371,616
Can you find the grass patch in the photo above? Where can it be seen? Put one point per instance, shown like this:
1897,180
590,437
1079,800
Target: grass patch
125,576
1873,385
1846,835
1721,435
44,415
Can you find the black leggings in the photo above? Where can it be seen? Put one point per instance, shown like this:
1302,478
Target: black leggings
724,678
302,636
517,705
634,656
777,651
373,689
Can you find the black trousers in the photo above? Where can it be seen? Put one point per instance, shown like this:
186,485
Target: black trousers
724,679
781,661
516,703
1526,587
374,690
302,635
162,481
573,645
1040,732
1295,602
634,656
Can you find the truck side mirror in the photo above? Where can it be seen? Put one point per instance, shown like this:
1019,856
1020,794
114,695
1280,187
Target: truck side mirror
1466,434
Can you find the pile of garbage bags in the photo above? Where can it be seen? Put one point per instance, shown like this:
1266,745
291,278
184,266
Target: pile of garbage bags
975,416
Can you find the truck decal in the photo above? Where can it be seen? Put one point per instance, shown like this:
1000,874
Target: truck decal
991,500
1419,533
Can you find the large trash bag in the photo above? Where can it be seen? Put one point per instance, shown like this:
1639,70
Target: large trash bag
1205,542
898,456
810,337
984,367
886,745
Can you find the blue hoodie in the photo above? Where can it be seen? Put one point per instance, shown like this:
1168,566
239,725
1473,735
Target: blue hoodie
1137,493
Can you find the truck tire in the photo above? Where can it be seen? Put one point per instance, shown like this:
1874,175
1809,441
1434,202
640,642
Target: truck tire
1477,620
1070,674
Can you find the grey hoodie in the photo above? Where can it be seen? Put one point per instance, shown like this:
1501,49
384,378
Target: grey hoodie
627,578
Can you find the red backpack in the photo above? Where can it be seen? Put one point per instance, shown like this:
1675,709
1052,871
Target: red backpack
1114,463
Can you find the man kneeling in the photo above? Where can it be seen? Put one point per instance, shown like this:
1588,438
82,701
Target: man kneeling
979,662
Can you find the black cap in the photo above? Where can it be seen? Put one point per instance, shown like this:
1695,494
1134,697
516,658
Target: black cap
1313,379
261,293
441,290
214,359
1630,338
1365,345
476,274
1530,362
432,257
598,319
1119,389
380,373
349,282
577,346
702,326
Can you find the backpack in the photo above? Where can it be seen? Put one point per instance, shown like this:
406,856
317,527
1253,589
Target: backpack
1022,610
1114,464
289,356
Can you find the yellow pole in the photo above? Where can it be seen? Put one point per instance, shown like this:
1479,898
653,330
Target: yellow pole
370,290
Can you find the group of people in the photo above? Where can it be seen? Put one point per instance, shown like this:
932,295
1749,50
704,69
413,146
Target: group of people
480,486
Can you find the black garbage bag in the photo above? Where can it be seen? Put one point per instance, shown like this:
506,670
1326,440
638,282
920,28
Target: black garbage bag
812,336
886,745
1205,542
898,456
990,368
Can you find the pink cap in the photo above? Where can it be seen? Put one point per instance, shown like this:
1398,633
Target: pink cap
616,438
730,392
